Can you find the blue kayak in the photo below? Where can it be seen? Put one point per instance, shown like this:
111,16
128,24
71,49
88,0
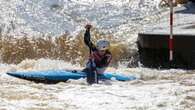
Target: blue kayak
51,76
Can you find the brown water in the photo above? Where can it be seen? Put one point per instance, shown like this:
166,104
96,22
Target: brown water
154,89
66,47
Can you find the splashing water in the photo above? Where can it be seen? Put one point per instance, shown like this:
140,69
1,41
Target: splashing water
154,90
119,21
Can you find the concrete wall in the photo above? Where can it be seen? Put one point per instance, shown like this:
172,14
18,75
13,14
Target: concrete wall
192,0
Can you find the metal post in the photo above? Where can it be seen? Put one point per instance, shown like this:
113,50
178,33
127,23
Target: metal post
171,32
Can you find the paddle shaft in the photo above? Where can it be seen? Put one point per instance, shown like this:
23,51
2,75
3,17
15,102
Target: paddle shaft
93,72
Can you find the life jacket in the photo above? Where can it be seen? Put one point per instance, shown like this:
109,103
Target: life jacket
102,60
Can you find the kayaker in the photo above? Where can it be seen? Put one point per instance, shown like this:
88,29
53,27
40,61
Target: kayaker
100,56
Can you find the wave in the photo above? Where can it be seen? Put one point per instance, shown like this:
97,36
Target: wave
65,47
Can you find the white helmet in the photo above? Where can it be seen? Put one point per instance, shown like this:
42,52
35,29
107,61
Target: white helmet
103,44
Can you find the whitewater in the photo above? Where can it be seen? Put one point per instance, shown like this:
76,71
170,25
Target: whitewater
155,89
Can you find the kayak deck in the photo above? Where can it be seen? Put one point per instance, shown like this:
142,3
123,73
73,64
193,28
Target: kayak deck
55,76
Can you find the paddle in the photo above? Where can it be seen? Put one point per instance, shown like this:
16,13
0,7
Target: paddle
92,74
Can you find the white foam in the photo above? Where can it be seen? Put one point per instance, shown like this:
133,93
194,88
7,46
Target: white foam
34,18
153,93
156,90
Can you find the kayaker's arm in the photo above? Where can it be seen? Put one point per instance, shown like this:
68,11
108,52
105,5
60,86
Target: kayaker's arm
92,75
87,39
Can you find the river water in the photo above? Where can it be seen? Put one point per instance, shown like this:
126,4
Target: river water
155,89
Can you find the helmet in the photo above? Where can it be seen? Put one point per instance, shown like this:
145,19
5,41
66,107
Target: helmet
103,44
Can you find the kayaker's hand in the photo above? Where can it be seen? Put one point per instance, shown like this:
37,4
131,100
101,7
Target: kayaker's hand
91,64
88,26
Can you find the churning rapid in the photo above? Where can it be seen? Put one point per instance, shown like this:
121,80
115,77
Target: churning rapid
48,34
54,29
